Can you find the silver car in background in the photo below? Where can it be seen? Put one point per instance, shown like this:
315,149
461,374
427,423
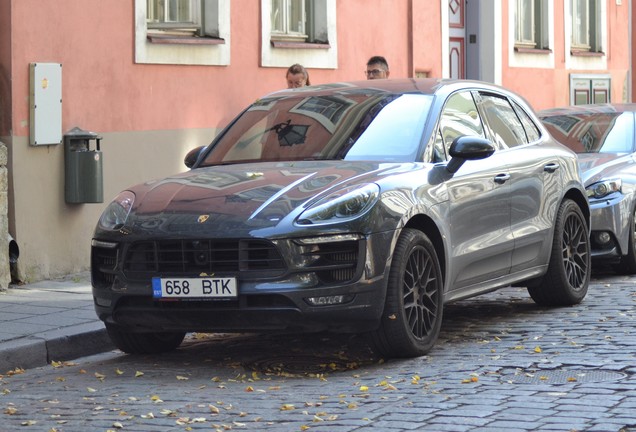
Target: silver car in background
603,137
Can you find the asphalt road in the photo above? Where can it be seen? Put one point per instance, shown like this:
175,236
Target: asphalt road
501,364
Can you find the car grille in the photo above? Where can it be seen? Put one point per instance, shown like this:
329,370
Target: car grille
187,257
331,262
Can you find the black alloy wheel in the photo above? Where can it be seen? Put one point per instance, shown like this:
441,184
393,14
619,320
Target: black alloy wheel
568,276
412,315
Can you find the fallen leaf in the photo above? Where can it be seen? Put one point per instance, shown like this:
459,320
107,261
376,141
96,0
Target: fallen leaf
138,374
287,407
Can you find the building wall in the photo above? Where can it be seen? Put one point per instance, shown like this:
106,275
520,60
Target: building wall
547,84
150,115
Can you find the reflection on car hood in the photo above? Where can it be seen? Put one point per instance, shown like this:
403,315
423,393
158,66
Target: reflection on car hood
597,166
254,195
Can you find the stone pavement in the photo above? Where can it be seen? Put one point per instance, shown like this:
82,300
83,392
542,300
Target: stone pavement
48,321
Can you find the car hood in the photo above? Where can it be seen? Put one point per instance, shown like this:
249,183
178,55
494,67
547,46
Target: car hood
231,198
598,166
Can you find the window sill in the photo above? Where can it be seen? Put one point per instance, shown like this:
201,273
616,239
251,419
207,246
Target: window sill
184,40
583,53
302,45
524,50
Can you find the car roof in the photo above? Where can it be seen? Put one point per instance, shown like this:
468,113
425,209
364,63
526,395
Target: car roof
588,109
430,86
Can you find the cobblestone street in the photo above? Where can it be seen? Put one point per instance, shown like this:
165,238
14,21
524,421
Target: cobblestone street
501,364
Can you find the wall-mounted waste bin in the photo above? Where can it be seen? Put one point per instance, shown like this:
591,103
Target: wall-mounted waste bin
83,167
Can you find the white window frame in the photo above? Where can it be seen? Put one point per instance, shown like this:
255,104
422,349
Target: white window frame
532,16
215,22
577,57
322,27
585,25
288,9
541,53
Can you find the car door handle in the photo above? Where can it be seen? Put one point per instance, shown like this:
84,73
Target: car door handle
502,178
551,167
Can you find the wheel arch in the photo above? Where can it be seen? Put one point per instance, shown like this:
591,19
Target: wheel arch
578,197
425,224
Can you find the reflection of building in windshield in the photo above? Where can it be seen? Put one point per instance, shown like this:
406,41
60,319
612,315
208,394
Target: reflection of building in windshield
591,133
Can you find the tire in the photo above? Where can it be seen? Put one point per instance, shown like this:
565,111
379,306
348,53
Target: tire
568,276
627,265
412,316
144,343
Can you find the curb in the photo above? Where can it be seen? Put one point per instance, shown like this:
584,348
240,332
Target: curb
56,345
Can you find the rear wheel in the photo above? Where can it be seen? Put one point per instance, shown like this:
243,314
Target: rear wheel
568,275
144,343
412,314
627,264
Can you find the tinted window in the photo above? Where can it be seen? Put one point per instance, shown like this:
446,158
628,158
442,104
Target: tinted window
598,132
459,118
372,125
503,122
532,131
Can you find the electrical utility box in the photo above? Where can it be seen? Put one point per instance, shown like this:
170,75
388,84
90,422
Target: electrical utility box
45,103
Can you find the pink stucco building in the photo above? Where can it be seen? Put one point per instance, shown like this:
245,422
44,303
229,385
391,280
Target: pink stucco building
155,78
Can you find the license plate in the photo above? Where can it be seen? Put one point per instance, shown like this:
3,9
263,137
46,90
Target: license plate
206,287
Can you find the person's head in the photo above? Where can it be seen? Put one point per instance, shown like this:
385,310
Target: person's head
377,68
297,76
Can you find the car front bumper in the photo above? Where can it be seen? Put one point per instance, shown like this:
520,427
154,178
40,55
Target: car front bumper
610,227
294,302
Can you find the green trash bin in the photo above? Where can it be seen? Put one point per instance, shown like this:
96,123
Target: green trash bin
83,167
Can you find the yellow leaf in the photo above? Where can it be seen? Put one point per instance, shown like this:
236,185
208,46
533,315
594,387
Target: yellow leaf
390,387
392,317
537,349
99,376
138,374
304,427
155,399
352,405
364,388
249,389
287,407
119,372
148,416
91,389
213,409
182,378
118,425
11,410
56,364
571,379
255,376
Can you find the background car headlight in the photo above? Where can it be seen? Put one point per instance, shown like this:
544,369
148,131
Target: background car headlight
604,188
115,215
342,205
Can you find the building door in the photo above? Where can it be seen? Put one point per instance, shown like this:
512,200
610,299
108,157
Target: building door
464,39
457,39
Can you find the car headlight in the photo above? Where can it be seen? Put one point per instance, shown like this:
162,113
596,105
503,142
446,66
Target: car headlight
345,204
115,215
604,188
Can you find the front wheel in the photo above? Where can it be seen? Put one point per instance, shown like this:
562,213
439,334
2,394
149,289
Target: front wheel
412,316
144,343
568,276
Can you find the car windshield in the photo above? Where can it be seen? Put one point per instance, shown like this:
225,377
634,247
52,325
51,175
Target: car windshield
368,125
598,132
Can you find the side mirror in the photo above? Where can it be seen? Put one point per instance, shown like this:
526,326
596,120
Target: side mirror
192,156
468,148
